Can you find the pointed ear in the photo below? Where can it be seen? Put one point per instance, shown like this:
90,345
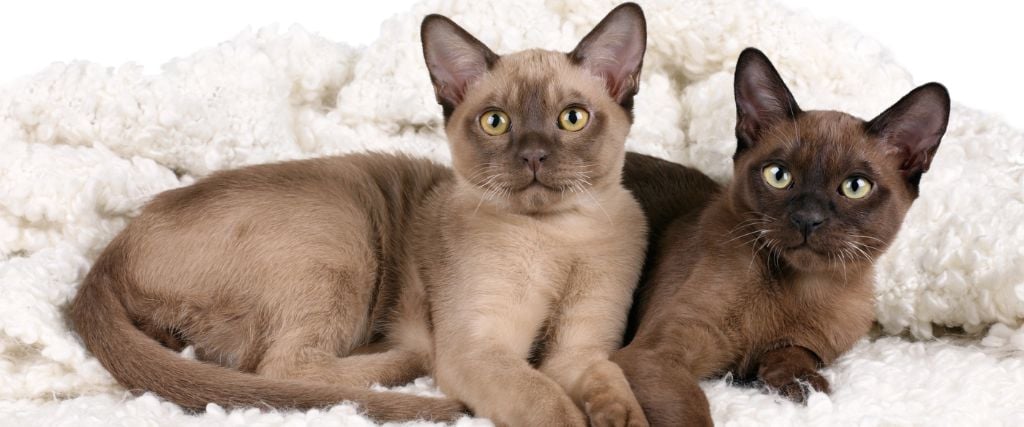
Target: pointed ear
455,59
762,98
913,128
614,50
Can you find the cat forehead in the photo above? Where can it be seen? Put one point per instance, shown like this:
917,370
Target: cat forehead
828,139
532,63
832,128
532,76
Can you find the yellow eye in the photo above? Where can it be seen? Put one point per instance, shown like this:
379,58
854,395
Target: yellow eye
856,187
573,119
494,122
777,176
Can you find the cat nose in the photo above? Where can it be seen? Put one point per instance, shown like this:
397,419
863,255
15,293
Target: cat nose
807,220
533,158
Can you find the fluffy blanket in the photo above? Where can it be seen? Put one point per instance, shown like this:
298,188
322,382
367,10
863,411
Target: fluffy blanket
83,146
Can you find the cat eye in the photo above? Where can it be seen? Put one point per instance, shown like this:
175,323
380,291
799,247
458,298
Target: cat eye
573,119
494,122
856,187
777,176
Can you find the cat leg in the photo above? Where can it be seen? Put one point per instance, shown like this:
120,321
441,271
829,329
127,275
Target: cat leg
497,384
308,350
323,316
587,329
481,351
301,355
669,395
406,350
601,389
389,368
400,356
665,363
788,368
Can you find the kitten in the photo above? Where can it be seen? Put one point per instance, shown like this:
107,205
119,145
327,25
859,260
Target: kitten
770,278
302,283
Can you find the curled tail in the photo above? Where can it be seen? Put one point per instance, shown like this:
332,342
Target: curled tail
140,363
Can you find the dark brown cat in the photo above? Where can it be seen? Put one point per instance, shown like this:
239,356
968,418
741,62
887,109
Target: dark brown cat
771,277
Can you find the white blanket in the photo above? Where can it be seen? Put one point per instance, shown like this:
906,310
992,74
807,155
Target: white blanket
83,146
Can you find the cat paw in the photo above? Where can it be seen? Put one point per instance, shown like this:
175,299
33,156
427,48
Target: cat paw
609,401
572,417
795,385
608,410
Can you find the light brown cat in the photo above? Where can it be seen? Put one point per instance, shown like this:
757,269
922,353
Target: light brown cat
302,283
771,277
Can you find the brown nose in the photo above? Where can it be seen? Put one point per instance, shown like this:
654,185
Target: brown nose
533,158
807,221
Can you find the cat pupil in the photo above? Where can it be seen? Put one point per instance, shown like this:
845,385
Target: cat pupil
495,120
779,174
572,117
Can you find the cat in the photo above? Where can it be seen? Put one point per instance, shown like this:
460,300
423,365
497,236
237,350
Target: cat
771,277
507,277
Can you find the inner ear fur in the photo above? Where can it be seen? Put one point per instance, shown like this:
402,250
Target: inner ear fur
913,128
614,50
454,58
762,98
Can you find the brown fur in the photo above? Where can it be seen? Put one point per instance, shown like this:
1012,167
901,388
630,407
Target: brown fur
271,270
302,283
733,284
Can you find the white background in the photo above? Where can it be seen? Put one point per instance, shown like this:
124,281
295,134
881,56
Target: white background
974,47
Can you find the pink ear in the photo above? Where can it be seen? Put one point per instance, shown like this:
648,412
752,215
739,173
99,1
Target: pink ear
614,50
914,127
454,58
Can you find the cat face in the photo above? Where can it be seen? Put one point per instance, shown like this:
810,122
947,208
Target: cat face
823,189
536,131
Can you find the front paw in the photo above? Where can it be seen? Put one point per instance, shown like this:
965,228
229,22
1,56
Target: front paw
612,410
567,416
608,400
794,383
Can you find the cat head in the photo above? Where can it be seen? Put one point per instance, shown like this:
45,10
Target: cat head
535,130
824,189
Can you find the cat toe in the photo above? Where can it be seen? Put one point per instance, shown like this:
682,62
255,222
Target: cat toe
797,389
818,382
606,411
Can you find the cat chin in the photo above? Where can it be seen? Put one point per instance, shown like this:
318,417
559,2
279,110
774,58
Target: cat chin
530,199
805,258
541,199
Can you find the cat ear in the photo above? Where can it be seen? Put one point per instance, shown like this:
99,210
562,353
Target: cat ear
614,50
454,58
913,128
762,98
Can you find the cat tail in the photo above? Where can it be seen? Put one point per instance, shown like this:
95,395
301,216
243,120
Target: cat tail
140,363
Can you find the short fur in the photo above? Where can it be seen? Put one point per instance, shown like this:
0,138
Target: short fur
740,281
302,283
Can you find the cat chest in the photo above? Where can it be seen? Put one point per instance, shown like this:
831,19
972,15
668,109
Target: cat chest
528,261
510,285
786,312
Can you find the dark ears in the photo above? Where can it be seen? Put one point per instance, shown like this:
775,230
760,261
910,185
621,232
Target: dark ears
454,58
762,98
913,128
613,50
